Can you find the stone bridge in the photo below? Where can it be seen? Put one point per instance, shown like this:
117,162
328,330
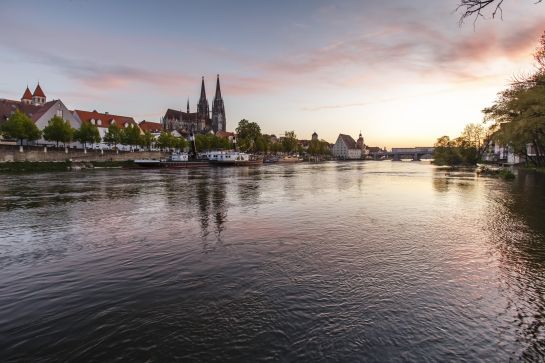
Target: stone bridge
398,153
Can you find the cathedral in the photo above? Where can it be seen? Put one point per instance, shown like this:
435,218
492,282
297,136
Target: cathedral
200,121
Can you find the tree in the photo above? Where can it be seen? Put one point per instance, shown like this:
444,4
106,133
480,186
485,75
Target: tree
289,143
113,135
247,134
58,130
180,143
166,141
518,115
475,8
130,135
87,133
147,139
20,127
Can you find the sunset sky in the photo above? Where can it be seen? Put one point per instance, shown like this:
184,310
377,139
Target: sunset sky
401,71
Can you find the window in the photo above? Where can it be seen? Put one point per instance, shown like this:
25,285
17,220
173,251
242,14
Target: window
126,124
59,113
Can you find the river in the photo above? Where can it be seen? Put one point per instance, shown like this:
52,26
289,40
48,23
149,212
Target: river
361,261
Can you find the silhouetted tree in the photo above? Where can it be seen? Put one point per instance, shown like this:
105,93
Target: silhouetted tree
477,8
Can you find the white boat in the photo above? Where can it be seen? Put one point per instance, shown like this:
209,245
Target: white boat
232,158
175,160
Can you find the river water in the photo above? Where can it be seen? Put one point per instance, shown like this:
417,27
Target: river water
361,261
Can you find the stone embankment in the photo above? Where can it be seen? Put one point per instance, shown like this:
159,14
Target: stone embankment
12,153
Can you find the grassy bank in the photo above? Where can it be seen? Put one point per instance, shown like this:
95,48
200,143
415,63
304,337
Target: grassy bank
51,166
113,164
34,166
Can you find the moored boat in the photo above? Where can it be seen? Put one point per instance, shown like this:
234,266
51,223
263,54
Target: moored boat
290,159
176,160
233,158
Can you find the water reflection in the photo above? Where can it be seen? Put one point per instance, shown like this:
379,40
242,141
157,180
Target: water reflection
518,238
366,261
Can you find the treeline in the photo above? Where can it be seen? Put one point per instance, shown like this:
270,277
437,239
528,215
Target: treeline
515,121
466,149
250,139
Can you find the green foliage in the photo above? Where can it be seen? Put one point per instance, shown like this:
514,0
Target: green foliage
454,152
518,115
113,135
276,147
20,127
58,130
34,166
503,173
211,142
130,135
289,143
248,134
317,147
167,141
147,140
87,133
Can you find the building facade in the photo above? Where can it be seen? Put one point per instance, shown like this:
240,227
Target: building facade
36,107
347,148
200,121
103,120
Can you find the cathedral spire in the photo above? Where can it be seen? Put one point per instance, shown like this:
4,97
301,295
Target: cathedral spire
203,91
203,110
218,91
218,110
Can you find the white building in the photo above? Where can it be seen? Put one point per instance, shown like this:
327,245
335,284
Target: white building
102,121
40,112
501,153
347,148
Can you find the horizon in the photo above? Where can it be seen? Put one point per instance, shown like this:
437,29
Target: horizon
403,74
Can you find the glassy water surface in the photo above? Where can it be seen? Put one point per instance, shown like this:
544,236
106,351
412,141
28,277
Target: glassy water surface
362,261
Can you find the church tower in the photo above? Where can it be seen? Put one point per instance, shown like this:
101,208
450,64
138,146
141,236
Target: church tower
27,96
360,144
38,97
203,111
219,123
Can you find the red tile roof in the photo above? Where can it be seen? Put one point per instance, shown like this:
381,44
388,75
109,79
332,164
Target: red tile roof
150,126
105,118
226,134
38,92
8,107
27,95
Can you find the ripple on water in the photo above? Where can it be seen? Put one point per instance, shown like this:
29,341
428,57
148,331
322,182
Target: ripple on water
367,261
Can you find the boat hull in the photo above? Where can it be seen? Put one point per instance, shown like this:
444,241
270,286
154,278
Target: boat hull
157,164
236,162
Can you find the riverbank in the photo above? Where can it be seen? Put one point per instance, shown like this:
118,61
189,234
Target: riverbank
13,153
56,166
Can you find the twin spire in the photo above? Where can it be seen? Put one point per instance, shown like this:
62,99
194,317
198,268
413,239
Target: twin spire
203,90
36,98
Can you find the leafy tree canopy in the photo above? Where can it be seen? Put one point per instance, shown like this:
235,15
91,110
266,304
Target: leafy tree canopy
20,127
58,130
87,133
248,134
113,136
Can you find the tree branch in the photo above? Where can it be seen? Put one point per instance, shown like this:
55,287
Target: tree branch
475,8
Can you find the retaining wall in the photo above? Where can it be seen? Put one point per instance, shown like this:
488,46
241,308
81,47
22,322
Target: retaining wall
39,153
